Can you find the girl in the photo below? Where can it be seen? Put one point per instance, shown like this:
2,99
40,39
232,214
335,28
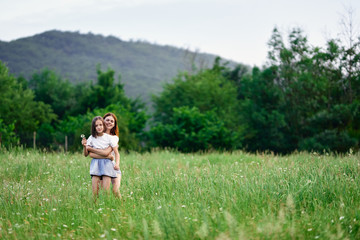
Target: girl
100,168
111,129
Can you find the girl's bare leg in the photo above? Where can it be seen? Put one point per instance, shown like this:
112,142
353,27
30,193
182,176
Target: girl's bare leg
106,183
116,185
95,185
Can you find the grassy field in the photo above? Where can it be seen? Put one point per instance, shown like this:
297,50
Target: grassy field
168,195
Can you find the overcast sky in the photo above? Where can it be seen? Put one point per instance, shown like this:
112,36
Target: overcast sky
237,30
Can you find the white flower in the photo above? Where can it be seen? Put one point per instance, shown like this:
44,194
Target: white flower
54,209
159,207
341,218
82,136
183,206
310,229
113,229
65,226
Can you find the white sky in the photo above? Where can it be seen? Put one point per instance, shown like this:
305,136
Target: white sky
237,30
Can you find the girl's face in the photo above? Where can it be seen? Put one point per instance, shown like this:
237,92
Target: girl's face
109,122
99,126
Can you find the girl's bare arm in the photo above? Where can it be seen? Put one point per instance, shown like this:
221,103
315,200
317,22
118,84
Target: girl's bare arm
117,158
101,152
95,155
85,151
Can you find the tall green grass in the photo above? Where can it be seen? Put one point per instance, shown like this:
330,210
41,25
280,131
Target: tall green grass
168,195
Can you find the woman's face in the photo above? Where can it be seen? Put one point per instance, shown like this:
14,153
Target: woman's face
109,122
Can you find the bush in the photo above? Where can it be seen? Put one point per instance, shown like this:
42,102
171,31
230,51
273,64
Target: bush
191,131
329,140
8,136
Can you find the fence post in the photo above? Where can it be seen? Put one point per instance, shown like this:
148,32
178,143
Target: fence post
66,143
34,141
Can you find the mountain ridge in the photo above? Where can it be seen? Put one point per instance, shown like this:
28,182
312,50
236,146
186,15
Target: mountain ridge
143,66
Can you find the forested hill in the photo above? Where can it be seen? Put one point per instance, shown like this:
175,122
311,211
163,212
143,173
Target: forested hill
143,66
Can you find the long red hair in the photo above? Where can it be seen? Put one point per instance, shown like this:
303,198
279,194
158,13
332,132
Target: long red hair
115,129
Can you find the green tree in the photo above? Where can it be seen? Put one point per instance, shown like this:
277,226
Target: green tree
51,89
18,106
208,90
311,81
189,130
106,91
8,137
330,129
262,113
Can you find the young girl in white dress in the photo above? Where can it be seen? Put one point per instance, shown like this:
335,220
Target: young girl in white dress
100,168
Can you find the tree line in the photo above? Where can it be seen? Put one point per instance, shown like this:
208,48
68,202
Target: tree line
306,98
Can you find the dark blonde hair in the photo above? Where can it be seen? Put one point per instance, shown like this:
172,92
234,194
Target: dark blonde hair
115,129
93,128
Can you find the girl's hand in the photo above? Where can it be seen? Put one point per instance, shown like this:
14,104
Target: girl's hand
111,157
83,142
117,167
